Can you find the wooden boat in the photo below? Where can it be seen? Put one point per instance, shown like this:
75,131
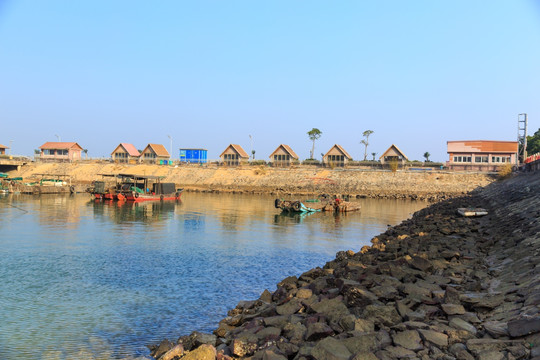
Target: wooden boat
335,205
147,188
50,184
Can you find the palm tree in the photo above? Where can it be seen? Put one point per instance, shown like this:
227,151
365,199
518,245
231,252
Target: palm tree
365,141
427,155
313,134
373,154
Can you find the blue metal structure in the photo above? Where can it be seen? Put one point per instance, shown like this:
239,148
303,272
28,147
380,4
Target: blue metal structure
196,156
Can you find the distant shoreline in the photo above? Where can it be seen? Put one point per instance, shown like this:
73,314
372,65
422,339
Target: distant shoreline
281,182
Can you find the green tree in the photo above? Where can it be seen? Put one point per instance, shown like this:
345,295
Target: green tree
313,134
533,143
373,154
427,155
365,141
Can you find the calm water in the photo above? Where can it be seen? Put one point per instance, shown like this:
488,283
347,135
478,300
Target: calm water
80,278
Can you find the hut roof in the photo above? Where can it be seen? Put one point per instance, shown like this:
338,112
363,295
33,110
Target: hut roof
158,149
396,150
60,145
341,149
130,148
287,149
238,150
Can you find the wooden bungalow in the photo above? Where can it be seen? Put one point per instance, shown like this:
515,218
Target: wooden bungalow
3,149
393,153
234,155
60,151
125,153
155,154
336,156
283,156
481,155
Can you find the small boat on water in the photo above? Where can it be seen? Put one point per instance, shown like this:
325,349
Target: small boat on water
334,205
136,188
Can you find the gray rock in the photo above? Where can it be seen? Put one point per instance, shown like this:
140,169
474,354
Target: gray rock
382,314
363,343
364,356
318,331
269,332
409,339
496,328
175,352
304,293
461,324
330,349
333,309
356,296
523,327
434,337
272,355
363,325
398,352
290,307
242,347
420,263
162,348
491,355
453,309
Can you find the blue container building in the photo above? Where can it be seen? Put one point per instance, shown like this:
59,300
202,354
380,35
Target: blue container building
196,156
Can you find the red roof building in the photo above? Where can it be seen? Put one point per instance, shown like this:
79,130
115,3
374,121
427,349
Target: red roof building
481,155
60,151
125,152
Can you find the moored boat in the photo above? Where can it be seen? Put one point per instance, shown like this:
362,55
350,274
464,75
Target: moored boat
148,188
297,206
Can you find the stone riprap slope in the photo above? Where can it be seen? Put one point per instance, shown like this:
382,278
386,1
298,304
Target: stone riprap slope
277,181
437,286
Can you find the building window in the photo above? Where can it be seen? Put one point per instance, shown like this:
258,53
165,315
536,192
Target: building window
481,159
500,159
149,155
462,159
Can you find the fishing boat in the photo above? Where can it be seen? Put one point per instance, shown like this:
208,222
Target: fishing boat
334,205
147,188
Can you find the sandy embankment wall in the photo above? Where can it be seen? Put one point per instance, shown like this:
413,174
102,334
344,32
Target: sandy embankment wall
263,179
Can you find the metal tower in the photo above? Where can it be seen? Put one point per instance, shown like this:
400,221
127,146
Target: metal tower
522,137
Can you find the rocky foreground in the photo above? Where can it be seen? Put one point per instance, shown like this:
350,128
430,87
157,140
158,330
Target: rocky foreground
437,286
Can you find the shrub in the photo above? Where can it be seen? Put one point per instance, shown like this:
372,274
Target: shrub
393,164
505,171
311,162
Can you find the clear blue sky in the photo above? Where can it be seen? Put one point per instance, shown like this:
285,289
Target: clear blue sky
210,73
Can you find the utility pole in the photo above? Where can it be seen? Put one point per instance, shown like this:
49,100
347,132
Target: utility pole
170,138
251,146
522,137
57,137
10,146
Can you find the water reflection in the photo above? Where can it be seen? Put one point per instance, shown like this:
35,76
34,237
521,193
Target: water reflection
126,212
82,278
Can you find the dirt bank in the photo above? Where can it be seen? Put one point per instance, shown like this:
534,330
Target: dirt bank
437,286
263,179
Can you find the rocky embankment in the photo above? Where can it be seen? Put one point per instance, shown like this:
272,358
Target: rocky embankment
437,286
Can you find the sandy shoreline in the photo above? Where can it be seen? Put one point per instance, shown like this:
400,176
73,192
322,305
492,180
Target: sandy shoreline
433,185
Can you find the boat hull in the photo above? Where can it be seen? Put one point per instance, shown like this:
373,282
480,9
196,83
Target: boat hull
137,197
